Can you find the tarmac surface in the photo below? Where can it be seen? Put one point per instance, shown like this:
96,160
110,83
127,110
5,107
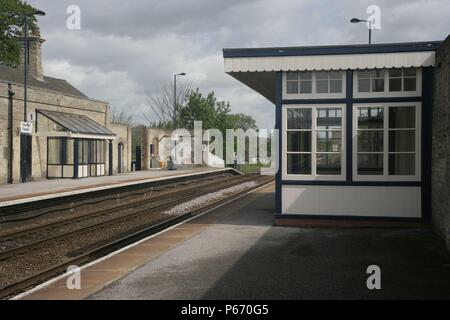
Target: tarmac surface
243,256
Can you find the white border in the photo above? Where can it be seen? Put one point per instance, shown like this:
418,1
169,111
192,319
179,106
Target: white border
313,176
418,143
386,93
313,94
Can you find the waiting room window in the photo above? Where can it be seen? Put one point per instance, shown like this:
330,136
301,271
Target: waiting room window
320,84
402,79
299,82
314,140
329,82
387,141
371,81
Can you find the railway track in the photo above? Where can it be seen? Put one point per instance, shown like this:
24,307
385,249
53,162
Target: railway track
96,252
155,194
174,197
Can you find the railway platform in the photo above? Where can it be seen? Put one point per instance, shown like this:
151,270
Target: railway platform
235,252
20,193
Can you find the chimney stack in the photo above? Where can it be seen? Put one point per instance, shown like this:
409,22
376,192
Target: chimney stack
34,55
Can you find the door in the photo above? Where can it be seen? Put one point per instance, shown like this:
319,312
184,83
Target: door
120,159
25,157
138,158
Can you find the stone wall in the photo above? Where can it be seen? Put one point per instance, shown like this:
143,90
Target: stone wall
441,144
49,100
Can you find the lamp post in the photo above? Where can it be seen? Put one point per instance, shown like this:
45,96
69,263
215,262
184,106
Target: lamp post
25,65
356,20
23,139
175,98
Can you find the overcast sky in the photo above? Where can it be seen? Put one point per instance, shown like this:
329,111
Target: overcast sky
125,48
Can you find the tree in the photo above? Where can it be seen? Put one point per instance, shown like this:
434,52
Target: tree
121,117
242,121
11,29
161,103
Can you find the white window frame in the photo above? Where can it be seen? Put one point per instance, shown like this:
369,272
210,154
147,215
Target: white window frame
418,144
313,176
386,92
313,94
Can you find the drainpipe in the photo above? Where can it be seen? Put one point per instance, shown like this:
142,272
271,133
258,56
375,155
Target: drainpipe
10,133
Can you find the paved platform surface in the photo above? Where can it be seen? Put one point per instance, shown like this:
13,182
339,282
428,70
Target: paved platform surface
243,256
15,193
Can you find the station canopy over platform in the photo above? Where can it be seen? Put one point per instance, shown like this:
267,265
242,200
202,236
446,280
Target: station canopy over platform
61,124
257,67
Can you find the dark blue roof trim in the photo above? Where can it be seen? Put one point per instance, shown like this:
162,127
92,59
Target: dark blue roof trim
331,50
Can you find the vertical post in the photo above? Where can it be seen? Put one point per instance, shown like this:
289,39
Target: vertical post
279,127
175,101
25,70
110,158
76,156
10,133
370,32
23,139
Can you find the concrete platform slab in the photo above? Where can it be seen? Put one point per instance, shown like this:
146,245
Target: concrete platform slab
40,190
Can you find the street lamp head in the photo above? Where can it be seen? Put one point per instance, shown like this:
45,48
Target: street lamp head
356,20
39,13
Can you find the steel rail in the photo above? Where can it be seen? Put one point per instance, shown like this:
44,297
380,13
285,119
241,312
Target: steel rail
96,253
199,191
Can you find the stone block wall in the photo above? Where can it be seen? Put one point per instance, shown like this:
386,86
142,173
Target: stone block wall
441,144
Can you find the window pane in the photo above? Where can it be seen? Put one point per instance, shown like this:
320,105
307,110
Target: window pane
299,164
80,152
69,151
378,85
370,164
395,72
370,141
292,87
329,141
305,86
409,84
377,74
54,151
328,164
370,118
299,141
409,72
336,86
363,74
322,86
364,85
292,75
402,140
329,118
85,151
402,117
322,75
299,118
305,75
395,84
336,75
402,164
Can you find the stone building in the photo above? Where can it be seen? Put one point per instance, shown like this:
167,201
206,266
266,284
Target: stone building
441,143
71,135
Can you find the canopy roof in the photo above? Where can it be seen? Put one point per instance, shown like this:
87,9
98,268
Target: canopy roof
76,124
256,67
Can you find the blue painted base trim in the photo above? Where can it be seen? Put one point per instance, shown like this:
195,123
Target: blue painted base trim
343,217
353,183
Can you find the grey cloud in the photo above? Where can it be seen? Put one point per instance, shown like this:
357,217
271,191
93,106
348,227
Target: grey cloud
128,47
